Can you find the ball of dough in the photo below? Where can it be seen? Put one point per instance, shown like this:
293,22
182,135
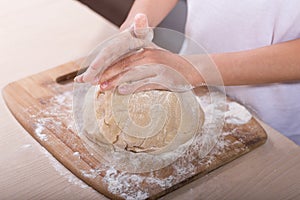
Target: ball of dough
149,121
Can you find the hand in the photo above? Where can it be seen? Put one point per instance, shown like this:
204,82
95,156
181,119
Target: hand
139,35
149,69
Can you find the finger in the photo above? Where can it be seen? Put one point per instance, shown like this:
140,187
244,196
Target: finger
115,69
78,79
107,56
114,49
91,73
140,25
142,57
111,83
133,75
124,65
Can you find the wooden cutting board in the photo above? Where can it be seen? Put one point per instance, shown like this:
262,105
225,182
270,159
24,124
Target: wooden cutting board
42,103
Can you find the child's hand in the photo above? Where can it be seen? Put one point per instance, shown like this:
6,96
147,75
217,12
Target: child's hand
148,69
138,36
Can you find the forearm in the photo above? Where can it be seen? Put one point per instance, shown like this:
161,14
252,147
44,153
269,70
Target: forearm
271,64
156,11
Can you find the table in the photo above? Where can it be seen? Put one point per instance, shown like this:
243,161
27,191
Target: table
39,34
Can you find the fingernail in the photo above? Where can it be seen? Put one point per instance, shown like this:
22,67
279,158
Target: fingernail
104,85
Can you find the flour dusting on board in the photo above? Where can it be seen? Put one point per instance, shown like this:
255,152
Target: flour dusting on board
56,117
57,112
92,173
77,154
129,185
39,132
237,114
63,171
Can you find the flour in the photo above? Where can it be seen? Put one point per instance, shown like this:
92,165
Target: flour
63,171
129,186
59,110
53,116
92,173
38,131
76,154
123,184
184,170
203,150
60,99
237,114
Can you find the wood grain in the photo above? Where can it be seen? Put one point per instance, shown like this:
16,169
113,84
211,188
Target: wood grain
44,108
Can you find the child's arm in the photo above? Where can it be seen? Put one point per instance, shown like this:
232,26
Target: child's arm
270,64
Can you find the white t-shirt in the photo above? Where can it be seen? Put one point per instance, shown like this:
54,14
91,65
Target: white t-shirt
229,26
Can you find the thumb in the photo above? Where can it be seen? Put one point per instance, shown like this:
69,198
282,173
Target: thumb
141,27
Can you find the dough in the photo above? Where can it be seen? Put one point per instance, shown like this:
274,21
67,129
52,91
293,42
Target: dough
151,121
